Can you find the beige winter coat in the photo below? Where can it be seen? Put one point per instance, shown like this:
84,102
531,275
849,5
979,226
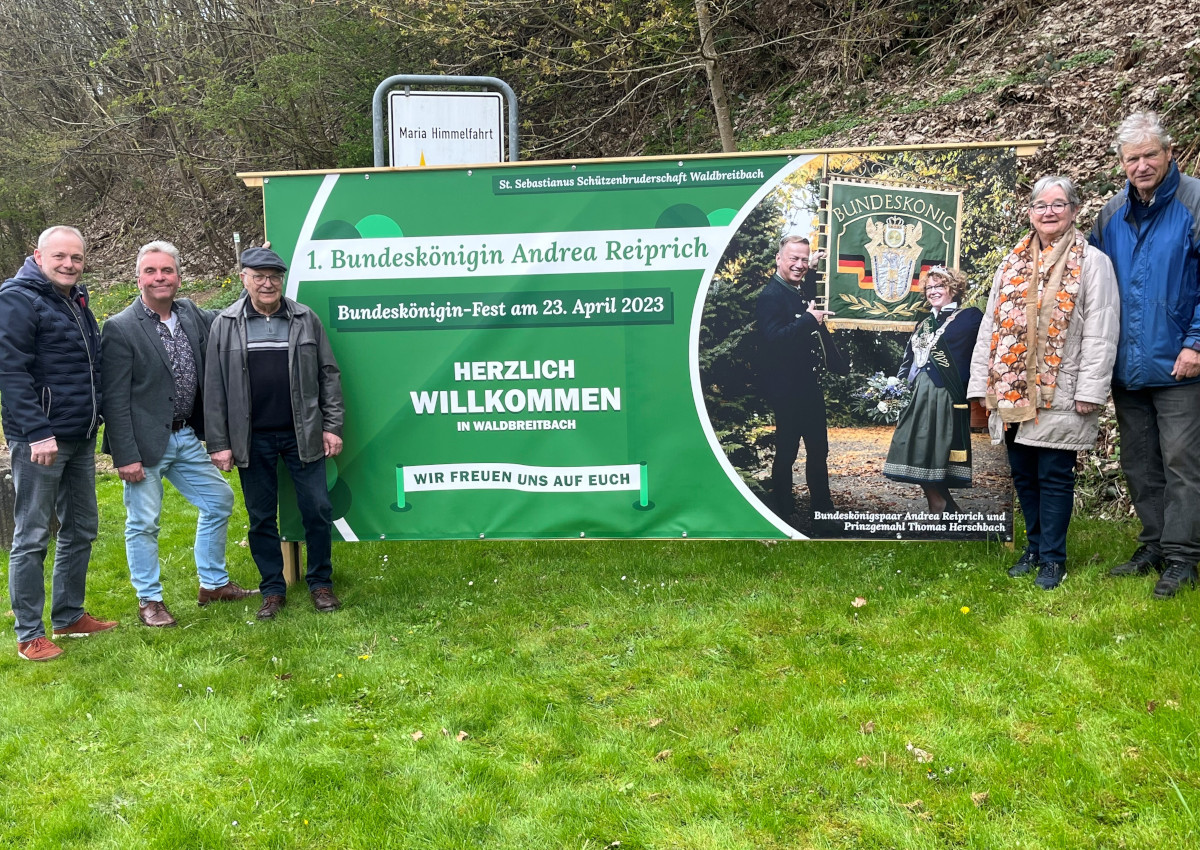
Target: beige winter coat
1086,368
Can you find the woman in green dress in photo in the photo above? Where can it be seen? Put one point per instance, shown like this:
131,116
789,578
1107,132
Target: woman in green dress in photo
932,443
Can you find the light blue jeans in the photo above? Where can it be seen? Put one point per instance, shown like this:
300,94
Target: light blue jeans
66,487
185,464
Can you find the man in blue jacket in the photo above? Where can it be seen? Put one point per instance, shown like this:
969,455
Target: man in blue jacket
50,399
1151,232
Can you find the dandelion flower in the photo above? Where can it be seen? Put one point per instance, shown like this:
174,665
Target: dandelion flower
965,609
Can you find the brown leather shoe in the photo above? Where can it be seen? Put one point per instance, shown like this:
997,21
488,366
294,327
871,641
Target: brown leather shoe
85,626
228,592
270,607
324,600
154,613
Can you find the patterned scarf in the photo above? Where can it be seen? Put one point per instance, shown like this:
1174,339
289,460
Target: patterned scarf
1028,333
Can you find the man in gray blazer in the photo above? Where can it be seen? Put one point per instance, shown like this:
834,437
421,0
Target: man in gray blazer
153,373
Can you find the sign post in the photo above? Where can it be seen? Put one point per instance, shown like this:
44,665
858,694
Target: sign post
489,83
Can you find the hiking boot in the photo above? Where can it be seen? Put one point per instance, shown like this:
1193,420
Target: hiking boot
84,626
1050,576
1173,575
324,600
1147,557
38,649
1024,564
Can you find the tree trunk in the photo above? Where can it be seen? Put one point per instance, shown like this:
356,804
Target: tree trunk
716,83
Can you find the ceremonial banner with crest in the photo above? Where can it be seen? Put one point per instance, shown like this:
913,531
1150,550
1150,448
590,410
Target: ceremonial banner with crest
881,237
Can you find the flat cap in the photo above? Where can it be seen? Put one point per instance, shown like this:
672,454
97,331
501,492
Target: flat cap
262,258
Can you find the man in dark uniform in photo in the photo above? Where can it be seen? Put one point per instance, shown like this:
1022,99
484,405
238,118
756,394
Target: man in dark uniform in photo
793,335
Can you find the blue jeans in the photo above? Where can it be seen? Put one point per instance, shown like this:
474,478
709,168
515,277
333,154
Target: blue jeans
260,488
1045,483
1160,456
66,487
186,464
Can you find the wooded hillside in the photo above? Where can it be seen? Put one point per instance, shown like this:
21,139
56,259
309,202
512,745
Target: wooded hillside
131,117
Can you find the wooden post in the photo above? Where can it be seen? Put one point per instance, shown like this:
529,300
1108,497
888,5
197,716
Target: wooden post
291,561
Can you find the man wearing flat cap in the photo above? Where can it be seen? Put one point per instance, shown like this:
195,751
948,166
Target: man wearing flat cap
272,391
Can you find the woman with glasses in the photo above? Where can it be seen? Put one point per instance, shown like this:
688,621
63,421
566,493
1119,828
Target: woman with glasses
932,443
1043,362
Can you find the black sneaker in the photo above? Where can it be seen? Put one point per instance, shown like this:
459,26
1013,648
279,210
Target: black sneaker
1024,564
1147,557
1175,574
1050,576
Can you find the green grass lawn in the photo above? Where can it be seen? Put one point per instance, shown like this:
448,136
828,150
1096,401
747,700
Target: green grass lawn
655,694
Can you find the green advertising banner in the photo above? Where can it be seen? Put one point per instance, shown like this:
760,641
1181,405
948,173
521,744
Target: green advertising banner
522,347
881,238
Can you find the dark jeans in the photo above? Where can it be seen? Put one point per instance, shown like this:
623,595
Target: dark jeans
1045,483
1160,456
802,417
66,488
260,488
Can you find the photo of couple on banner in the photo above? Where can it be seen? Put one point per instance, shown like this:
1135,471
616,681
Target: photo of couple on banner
836,340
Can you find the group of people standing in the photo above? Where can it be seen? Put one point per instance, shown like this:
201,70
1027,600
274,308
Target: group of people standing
257,382
186,394
1069,318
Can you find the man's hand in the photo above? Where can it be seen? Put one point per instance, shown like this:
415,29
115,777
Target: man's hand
1187,365
44,452
332,443
132,472
1083,408
223,460
819,314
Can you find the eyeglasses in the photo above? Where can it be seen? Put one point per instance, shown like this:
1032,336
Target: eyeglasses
1057,207
937,287
259,279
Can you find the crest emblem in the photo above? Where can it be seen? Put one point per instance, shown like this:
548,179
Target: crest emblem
894,248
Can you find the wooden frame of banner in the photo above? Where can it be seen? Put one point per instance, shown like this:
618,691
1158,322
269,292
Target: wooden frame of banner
1022,148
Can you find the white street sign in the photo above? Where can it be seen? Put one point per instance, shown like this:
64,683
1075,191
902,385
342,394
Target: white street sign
445,128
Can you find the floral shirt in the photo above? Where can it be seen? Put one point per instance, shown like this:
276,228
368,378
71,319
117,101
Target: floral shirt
183,364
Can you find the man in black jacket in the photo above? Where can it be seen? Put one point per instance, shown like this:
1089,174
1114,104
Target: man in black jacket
154,421
273,391
50,397
790,325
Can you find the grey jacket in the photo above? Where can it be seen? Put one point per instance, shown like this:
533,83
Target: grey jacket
316,386
139,386
1086,368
